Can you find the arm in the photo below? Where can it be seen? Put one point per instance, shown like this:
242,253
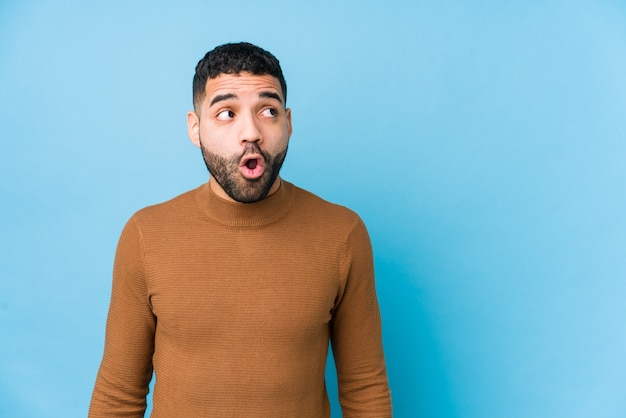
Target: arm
356,334
126,369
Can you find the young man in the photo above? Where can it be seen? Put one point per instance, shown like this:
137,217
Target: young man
231,292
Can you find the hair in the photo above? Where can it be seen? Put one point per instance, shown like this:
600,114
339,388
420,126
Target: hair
235,58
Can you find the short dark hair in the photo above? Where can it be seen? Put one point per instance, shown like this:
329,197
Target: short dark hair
235,58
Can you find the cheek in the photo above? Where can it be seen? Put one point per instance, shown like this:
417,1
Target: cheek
215,139
278,138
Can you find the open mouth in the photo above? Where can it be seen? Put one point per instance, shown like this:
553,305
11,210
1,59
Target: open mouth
252,167
252,163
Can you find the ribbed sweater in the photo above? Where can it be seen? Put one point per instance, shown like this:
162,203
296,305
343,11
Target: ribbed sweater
233,306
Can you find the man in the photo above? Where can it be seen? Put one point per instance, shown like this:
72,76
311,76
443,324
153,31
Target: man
232,291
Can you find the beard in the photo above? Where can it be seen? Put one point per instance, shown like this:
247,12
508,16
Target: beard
225,171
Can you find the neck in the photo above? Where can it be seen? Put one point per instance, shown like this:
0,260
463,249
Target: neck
243,215
219,191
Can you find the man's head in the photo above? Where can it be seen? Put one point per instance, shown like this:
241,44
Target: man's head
240,120
235,58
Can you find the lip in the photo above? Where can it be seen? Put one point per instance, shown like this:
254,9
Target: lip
252,173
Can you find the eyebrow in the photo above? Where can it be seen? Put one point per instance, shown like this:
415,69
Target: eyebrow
222,97
271,95
263,94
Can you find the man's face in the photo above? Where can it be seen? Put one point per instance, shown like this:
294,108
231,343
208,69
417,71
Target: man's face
243,129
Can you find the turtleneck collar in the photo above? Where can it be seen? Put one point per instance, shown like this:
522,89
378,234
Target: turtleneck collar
245,215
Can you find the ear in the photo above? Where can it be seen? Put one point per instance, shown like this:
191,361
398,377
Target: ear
288,114
193,128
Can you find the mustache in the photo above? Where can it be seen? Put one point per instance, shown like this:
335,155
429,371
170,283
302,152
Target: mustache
253,148
249,148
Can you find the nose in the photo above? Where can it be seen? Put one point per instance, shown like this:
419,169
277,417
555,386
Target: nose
250,131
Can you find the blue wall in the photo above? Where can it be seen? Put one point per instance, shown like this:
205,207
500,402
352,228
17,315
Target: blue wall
483,143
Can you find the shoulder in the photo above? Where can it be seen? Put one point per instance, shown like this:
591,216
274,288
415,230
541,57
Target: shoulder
178,207
330,214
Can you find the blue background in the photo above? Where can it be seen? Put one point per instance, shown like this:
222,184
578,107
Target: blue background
483,143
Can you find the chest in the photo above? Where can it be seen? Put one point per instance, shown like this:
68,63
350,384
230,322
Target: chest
244,284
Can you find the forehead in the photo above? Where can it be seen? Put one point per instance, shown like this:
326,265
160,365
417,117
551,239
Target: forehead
243,83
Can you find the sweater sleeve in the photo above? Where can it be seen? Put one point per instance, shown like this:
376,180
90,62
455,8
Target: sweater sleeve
126,368
356,334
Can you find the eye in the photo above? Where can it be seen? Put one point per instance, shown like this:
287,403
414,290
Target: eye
270,112
225,115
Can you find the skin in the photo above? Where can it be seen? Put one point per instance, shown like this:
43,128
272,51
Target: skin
242,119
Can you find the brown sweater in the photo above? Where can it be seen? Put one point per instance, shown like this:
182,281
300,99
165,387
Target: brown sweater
233,305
